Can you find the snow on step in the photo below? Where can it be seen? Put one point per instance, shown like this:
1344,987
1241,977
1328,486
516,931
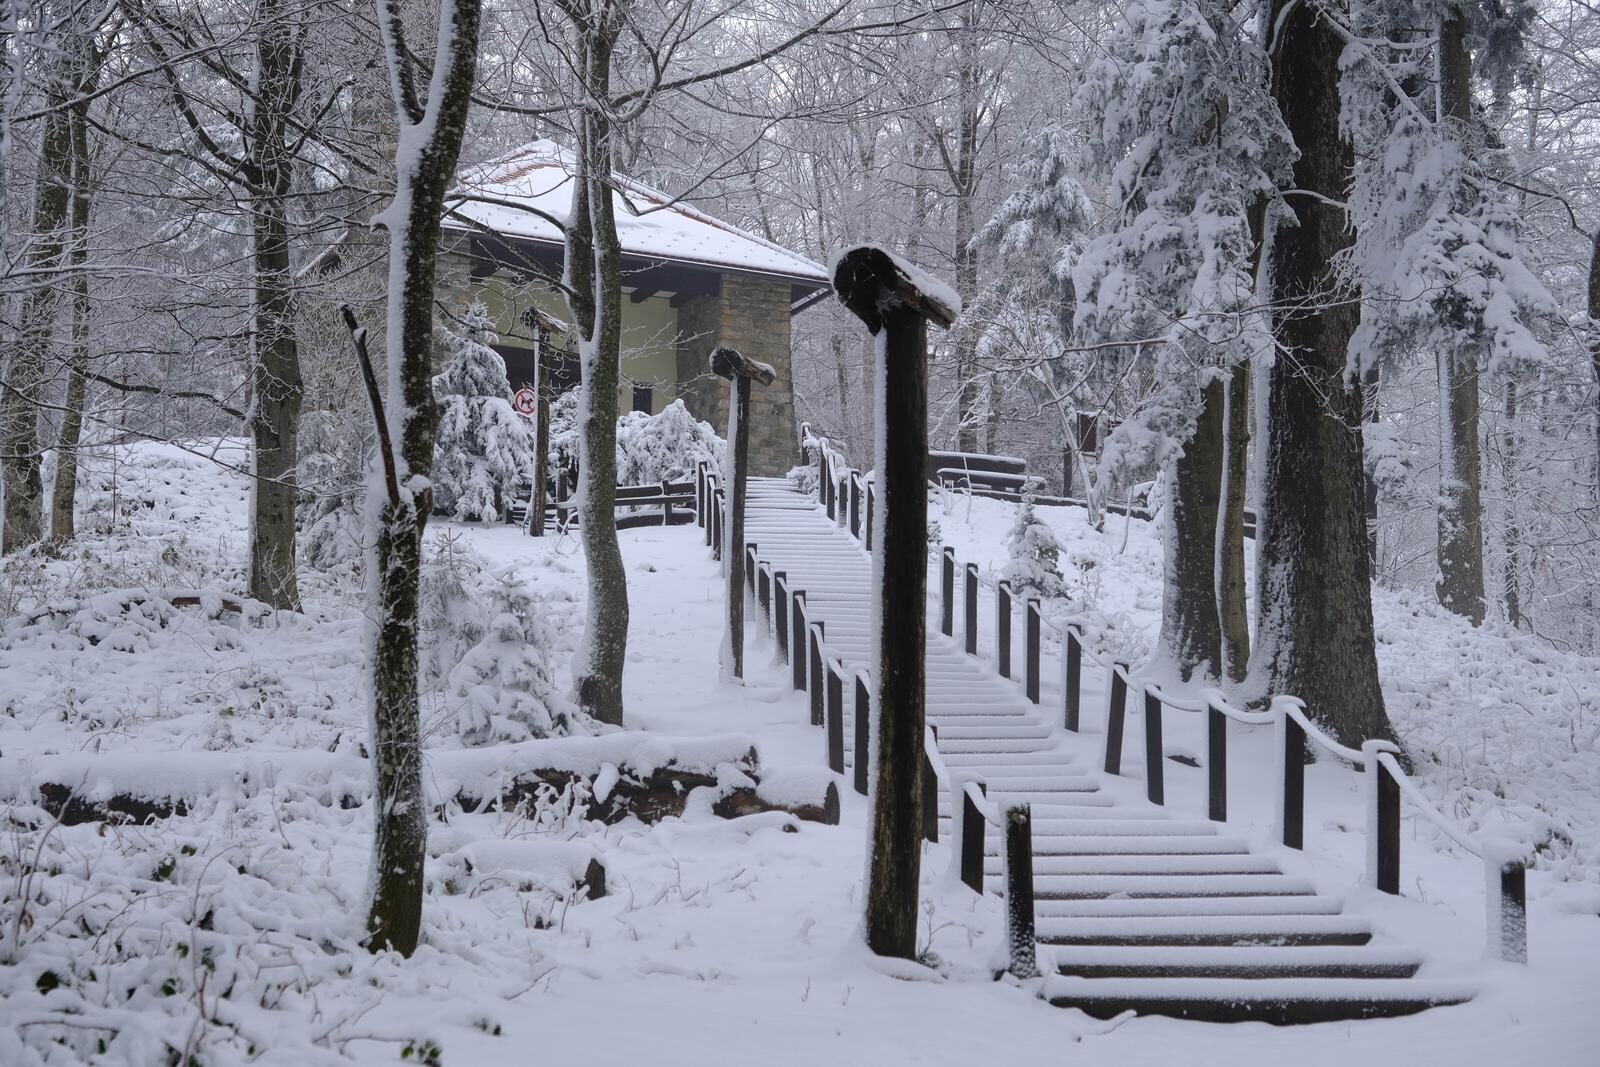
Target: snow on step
1098,886
1235,961
1128,907
1045,866
1205,930
1284,1000
1141,845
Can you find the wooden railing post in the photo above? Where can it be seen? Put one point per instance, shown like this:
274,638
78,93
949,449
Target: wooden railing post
972,826
708,513
1216,763
764,596
971,632
866,531
1021,940
835,721
863,734
1155,786
700,493
830,493
1116,714
841,500
947,591
1030,650
1002,628
718,501
1292,779
797,633
814,684
930,793
1073,684
666,502
780,610
1383,849
855,504
1508,911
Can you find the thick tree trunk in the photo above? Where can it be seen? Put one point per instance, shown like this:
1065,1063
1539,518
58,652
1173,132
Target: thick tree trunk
276,388
1315,632
63,492
25,375
1231,591
1191,626
1594,347
594,277
430,144
1460,584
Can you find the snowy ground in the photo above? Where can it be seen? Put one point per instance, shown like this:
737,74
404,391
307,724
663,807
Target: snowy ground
230,931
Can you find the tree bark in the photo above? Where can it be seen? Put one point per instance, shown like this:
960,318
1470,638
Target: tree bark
1191,626
1231,592
275,381
1594,347
431,132
63,492
1315,633
594,278
1460,522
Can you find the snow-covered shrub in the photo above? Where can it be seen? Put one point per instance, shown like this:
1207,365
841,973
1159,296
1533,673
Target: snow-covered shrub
484,448
1034,569
486,651
334,451
804,478
650,448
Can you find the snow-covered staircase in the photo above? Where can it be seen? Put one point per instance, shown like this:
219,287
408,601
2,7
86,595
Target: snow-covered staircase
1139,910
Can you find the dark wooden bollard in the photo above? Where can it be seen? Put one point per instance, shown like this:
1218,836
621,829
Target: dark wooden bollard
1002,628
866,530
1216,764
752,565
835,711
1030,651
890,299
1116,716
930,794
797,634
814,685
780,611
1155,786
740,372
862,733
1508,915
972,830
666,502
700,493
1387,842
830,489
947,591
855,504
1293,755
841,501
971,632
1074,680
1023,944
764,596
719,522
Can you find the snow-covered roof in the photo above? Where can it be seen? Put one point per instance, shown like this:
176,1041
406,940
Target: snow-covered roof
540,176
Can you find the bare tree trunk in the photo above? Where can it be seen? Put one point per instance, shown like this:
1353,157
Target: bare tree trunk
1460,584
276,388
1191,629
63,492
1231,591
431,131
1594,345
594,278
1315,633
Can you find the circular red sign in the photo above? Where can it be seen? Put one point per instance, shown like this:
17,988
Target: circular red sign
525,402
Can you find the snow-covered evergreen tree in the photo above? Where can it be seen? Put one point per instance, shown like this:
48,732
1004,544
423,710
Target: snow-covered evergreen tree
484,447
1034,567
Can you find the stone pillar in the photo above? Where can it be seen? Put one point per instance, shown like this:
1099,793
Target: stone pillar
750,315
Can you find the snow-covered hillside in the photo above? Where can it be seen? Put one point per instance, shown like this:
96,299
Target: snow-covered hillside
231,930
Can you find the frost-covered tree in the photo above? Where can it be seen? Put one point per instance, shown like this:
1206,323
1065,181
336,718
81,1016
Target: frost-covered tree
484,448
1190,146
1033,567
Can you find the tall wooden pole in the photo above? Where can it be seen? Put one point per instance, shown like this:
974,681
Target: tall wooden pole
885,295
541,429
739,371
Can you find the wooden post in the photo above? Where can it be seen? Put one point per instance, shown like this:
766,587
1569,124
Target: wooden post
797,634
700,493
862,733
780,610
1154,763
1066,471
1116,713
930,794
718,523
886,297
972,828
855,504
971,630
871,493
1508,912
666,506
841,500
1292,773
751,567
1074,680
1216,764
541,427
830,490
835,721
1030,651
947,591
814,675
707,517
764,596
1386,845
1023,944
1002,628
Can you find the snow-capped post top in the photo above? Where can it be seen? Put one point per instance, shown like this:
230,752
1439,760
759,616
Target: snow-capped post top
730,364
871,281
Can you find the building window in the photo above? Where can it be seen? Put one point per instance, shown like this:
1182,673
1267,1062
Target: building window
643,399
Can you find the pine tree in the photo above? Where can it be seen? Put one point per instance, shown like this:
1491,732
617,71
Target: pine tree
1034,569
484,447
